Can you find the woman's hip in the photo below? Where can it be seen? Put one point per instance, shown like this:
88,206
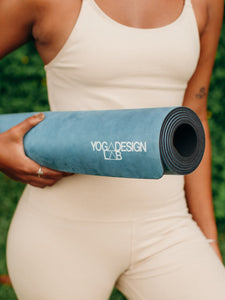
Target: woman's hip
107,198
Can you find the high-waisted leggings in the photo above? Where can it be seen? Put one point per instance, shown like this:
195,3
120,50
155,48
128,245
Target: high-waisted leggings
85,235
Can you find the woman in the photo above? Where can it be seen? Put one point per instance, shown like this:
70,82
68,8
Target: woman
97,231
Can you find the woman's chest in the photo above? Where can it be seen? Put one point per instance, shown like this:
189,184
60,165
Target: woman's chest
58,18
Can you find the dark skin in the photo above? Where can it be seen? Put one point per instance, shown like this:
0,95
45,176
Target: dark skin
45,22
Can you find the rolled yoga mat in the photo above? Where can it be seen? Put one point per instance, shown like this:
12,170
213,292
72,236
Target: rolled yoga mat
131,143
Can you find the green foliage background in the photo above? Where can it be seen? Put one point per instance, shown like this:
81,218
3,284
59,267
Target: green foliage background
23,88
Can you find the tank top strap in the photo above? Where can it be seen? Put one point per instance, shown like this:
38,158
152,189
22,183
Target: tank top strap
187,2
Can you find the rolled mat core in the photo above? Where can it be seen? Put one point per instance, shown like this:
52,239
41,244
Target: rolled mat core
182,141
131,143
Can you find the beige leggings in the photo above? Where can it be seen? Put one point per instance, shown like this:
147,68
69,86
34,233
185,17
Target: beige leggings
87,234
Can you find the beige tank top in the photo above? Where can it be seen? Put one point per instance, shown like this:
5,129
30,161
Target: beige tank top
107,65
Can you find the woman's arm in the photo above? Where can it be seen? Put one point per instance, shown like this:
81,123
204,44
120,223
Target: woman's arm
17,18
198,184
16,22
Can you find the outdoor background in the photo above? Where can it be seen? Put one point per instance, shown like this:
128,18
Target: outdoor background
23,89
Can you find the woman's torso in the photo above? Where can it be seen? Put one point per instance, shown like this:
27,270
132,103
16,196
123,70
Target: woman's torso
107,65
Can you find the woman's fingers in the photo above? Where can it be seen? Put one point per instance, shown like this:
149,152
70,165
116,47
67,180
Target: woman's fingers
42,182
15,164
22,128
67,174
52,174
33,179
46,172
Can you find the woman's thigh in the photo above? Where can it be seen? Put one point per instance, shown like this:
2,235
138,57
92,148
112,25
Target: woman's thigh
51,258
185,267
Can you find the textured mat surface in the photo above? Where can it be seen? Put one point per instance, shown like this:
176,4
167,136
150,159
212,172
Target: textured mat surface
133,143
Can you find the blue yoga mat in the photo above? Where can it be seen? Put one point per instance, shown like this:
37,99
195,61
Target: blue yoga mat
132,143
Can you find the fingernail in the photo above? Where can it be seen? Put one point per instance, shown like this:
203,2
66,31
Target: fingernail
40,116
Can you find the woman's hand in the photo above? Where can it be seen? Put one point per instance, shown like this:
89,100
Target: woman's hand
16,165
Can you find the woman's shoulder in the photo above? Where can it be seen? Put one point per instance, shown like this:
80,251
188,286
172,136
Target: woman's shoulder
47,6
208,12
215,9
43,20
215,3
